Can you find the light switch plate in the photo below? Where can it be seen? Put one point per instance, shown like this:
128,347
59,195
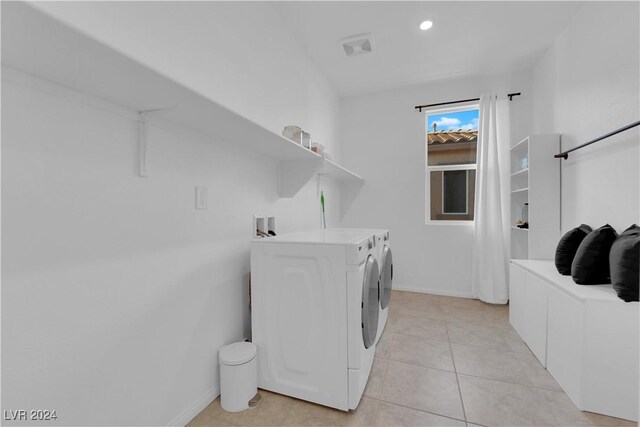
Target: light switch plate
201,197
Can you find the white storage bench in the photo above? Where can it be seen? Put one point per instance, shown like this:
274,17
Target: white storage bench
585,336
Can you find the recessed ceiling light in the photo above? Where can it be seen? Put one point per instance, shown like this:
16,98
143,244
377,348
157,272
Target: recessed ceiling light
425,25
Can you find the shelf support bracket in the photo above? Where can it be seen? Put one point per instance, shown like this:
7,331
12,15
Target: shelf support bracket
295,174
142,143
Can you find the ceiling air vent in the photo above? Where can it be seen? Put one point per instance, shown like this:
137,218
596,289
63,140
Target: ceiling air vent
357,45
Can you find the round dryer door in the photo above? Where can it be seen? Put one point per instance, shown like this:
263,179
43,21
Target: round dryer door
370,310
386,276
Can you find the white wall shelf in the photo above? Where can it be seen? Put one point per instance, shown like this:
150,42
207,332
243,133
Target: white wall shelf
520,190
40,46
333,170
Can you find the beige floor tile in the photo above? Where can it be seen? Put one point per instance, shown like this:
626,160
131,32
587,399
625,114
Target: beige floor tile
497,403
418,326
403,296
422,305
200,421
478,316
271,411
567,414
465,303
426,389
500,311
514,341
538,375
422,351
443,299
469,333
383,347
309,414
484,344
486,363
400,416
376,378
416,309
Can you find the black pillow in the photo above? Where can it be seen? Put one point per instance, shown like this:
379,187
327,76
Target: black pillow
567,247
623,261
591,263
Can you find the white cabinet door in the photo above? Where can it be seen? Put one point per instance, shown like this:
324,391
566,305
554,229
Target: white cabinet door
610,352
564,343
517,281
535,316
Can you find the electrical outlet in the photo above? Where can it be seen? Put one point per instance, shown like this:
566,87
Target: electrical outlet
254,226
260,225
201,197
271,224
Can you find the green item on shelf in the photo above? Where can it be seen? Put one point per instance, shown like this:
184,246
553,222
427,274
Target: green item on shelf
324,220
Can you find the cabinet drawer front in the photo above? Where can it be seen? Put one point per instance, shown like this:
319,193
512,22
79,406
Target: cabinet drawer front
535,316
564,343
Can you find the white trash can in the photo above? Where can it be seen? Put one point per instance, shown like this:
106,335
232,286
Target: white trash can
238,375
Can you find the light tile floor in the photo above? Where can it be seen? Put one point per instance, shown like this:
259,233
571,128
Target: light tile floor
441,361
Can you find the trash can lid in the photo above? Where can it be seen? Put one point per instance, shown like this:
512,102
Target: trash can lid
237,353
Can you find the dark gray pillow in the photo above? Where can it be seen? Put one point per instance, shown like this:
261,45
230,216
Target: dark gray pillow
624,259
591,263
568,246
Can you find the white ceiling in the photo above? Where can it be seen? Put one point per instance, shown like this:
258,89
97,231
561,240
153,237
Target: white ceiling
467,38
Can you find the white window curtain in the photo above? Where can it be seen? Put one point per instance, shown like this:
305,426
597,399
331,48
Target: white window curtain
491,239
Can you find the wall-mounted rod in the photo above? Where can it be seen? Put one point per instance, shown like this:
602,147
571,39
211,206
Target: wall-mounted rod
565,154
420,107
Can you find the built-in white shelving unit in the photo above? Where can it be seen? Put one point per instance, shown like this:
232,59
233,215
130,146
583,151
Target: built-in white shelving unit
520,172
535,179
39,45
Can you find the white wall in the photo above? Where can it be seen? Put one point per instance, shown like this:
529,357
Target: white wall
116,292
586,85
383,137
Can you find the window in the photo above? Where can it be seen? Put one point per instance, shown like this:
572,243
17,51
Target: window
450,168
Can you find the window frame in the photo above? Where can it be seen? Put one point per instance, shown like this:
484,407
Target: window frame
474,105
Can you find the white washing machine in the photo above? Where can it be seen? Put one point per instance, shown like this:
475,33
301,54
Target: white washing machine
382,243
315,310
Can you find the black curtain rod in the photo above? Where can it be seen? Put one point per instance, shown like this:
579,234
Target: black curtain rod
565,154
420,107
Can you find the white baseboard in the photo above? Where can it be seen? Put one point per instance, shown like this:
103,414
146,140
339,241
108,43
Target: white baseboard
424,290
195,408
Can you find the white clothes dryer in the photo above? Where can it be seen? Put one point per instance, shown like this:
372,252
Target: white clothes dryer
315,310
385,261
